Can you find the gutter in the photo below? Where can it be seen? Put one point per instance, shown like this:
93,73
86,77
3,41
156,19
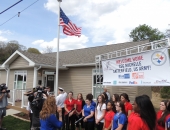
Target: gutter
78,65
49,66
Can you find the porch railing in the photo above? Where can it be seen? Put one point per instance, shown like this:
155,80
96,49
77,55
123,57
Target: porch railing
17,95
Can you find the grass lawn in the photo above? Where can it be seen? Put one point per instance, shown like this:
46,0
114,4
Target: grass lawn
12,123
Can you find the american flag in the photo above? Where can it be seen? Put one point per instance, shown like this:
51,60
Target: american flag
69,28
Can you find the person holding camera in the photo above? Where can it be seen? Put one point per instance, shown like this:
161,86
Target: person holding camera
4,94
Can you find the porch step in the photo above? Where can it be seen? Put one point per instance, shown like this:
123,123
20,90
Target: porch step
17,108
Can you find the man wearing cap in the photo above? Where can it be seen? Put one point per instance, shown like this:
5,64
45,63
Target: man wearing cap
60,103
105,90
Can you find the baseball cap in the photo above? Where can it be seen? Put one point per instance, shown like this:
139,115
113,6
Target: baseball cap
61,89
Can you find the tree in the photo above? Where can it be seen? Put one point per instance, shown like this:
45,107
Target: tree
13,45
33,50
48,49
7,49
3,57
143,32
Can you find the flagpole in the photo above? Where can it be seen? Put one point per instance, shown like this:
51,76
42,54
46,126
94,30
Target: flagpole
57,54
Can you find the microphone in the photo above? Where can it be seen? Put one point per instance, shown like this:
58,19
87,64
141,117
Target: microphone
80,119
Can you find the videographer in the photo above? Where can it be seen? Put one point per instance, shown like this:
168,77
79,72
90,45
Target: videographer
36,107
4,94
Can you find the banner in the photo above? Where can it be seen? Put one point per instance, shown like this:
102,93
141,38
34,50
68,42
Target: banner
145,69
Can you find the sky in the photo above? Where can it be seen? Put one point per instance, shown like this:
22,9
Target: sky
103,22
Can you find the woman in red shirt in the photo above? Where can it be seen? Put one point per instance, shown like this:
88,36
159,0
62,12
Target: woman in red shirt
111,110
79,107
162,115
144,116
128,106
69,104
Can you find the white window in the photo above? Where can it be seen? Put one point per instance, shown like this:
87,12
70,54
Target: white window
97,81
20,79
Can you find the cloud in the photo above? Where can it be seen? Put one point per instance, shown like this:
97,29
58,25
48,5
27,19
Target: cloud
3,39
3,34
68,43
111,21
110,42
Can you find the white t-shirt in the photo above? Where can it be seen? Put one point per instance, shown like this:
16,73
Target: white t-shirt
60,99
100,112
29,108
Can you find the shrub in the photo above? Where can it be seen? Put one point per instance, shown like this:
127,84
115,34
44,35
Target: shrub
165,92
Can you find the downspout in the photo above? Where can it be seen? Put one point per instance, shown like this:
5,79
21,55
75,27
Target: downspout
7,76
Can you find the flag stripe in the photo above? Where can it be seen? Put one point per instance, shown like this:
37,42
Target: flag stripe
69,28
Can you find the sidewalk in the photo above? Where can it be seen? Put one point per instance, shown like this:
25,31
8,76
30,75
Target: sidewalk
11,112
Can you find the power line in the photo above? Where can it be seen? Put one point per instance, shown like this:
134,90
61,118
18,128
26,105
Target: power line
11,6
18,13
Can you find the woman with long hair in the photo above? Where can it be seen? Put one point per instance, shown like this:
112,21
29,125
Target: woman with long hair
115,98
105,97
70,107
120,118
79,107
48,119
128,106
100,112
111,110
88,113
163,115
143,116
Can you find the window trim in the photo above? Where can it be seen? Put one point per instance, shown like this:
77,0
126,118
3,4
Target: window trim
94,86
21,72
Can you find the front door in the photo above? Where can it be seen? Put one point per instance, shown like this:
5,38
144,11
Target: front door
50,82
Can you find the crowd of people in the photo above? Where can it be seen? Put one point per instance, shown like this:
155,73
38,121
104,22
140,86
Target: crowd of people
107,113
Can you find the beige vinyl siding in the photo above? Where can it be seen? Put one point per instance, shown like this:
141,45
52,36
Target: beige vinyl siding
29,83
11,80
145,90
3,74
30,77
19,63
78,80
131,91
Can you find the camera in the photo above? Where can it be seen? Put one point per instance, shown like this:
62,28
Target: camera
40,91
2,87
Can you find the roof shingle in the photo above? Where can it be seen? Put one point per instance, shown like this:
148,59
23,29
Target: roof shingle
78,56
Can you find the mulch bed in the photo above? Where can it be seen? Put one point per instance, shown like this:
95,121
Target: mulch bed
22,115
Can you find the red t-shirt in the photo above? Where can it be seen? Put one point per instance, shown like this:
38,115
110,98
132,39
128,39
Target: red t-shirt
128,107
135,122
69,105
159,114
108,118
78,105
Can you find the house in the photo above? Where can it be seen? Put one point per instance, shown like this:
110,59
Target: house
23,71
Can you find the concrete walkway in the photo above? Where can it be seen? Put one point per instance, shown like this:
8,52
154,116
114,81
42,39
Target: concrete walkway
11,112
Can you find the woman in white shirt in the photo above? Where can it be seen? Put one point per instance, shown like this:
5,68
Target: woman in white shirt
30,99
100,112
